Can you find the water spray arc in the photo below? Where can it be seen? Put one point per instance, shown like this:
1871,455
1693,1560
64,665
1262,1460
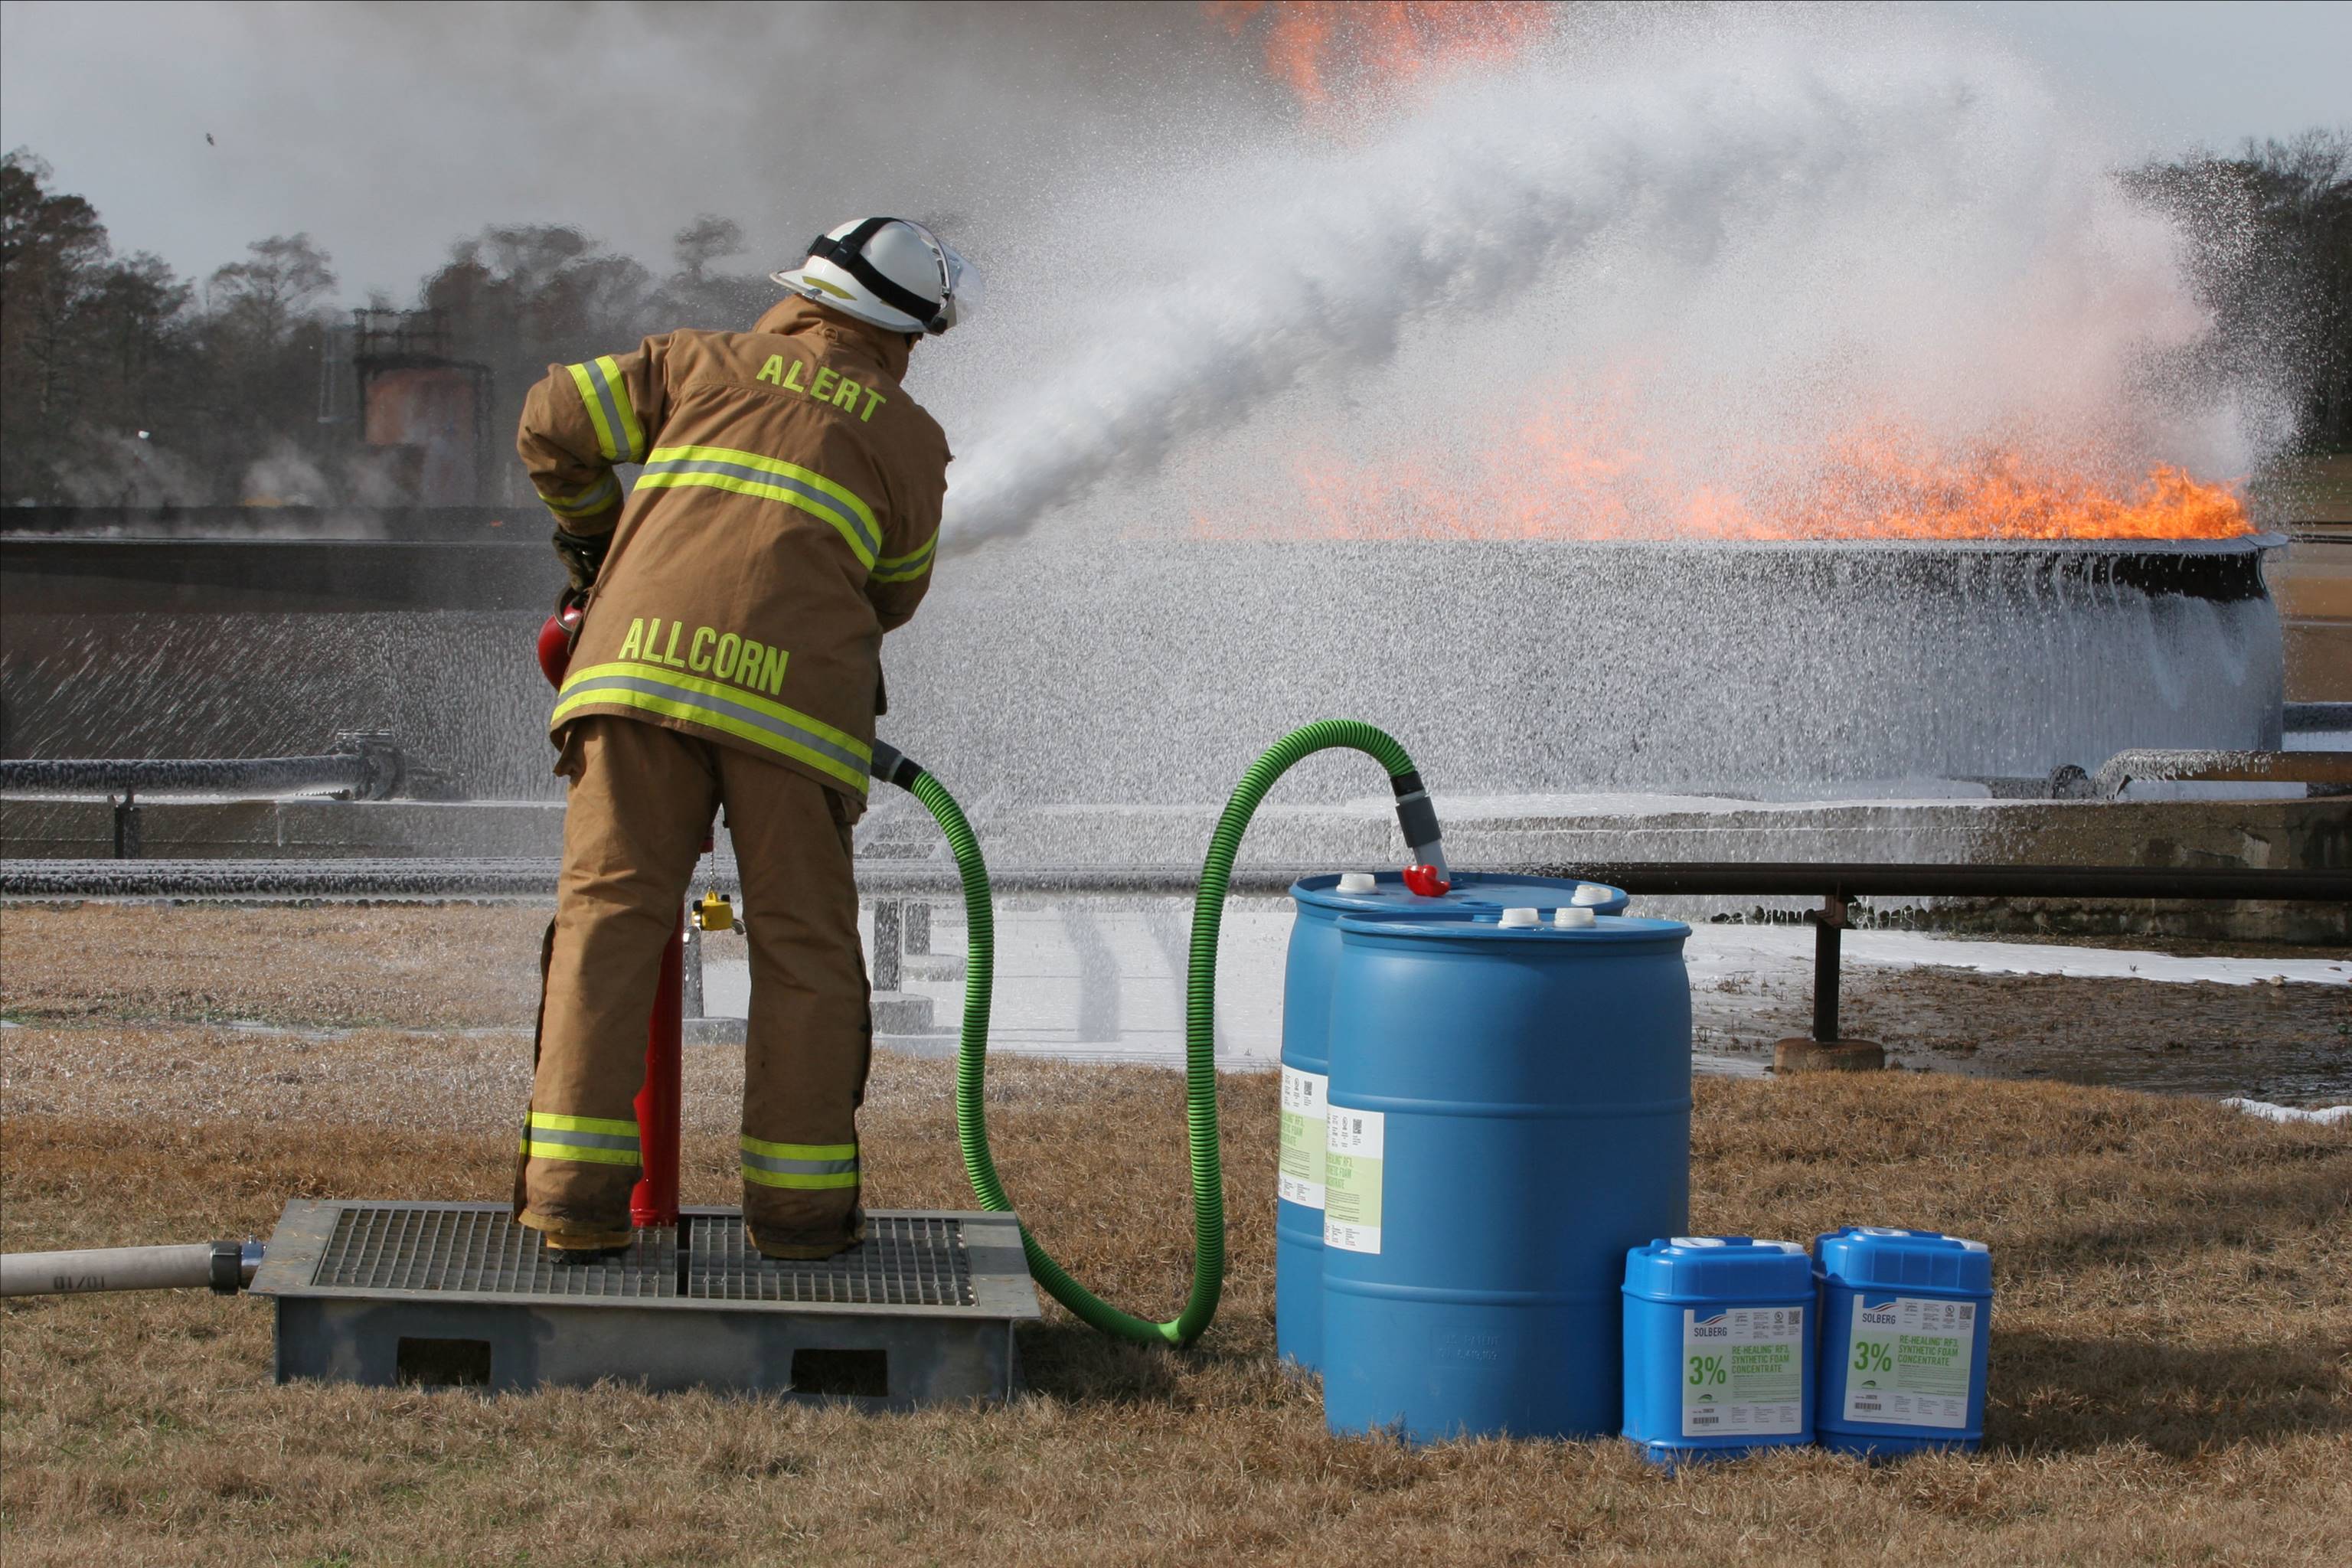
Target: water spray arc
1429,875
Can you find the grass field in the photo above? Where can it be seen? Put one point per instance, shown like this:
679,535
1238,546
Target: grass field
2172,1350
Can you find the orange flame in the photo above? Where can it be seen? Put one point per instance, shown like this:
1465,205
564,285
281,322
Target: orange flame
1327,48
1572,472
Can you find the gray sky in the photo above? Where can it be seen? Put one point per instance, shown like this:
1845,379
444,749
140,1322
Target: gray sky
387,130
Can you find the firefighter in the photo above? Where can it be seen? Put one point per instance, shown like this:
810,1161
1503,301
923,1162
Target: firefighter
730,657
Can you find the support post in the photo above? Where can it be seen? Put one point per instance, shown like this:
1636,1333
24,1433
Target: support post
1829,927
126,827
654,1201
1823,1051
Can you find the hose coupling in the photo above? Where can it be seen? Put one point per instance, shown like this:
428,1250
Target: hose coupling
892,765
1428,874
233,1265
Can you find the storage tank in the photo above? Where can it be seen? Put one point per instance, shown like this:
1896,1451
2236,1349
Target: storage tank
1718,1347
1312,960
1907,1332
1509,1113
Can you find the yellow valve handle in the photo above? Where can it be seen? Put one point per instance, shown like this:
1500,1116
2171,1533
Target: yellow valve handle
715,912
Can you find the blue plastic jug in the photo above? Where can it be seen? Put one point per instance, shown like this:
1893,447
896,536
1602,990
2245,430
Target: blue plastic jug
1718,1347
1305,1054
1509,1112
1907,1329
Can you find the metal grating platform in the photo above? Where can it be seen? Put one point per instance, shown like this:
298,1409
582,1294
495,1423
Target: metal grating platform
906,1261
921,1311
382,1247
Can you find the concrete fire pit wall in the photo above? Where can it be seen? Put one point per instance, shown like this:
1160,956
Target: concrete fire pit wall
1152,674
1059,671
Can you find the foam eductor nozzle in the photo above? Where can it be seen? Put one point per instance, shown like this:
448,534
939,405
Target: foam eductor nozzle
1428,874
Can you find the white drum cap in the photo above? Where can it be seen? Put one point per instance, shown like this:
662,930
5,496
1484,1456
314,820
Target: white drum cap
1574,919
1356,882
1519,920
1591,893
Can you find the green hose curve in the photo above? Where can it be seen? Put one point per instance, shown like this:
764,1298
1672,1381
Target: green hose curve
1200,1028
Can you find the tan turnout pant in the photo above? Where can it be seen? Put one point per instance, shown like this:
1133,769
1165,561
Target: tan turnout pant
642,800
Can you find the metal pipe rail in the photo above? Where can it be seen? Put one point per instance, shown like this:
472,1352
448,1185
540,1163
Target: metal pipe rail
427,878
364,766
348,772
891,882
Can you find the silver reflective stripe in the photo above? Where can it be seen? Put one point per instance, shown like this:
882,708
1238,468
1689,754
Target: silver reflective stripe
613,421
831,505
595,498
775,1166
739,713
539,1134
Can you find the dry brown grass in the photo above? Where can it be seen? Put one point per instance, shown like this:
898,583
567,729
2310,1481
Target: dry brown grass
2172,1354
448,967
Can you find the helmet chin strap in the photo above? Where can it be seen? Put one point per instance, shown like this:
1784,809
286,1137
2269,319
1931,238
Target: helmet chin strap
848,253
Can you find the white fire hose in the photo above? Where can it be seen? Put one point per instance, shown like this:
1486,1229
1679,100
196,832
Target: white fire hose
222,1267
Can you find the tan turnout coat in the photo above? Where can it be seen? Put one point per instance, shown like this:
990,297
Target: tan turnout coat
786,518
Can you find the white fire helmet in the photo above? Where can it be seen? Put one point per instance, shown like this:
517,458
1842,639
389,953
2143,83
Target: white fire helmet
890,271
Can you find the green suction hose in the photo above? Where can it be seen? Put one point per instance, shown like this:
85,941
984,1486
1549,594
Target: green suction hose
1420,823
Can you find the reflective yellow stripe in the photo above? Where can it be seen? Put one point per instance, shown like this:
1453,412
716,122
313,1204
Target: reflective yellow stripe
770,479
805,1167
800,1182
799,1150
634,448
654,689
592,500
556,1123
589,1156
619,436
907,568
587,385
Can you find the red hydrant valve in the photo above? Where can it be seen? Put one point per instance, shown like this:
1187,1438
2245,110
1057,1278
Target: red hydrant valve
1428,881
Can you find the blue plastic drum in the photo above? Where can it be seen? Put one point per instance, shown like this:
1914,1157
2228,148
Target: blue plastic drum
1306,1054
1509,1113
1718,1347
1906,1332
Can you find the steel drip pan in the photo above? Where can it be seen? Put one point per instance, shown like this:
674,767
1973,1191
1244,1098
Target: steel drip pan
439,1294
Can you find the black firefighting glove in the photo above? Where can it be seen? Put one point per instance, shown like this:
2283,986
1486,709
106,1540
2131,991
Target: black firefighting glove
583,555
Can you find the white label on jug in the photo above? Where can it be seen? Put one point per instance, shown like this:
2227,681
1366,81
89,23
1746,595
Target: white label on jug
1303,1133
1743,1371
1908,1360
1355,1148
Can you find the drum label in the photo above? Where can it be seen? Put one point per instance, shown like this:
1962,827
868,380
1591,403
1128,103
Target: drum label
1743,1371
1303,1136
1353,1152
1909,1362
